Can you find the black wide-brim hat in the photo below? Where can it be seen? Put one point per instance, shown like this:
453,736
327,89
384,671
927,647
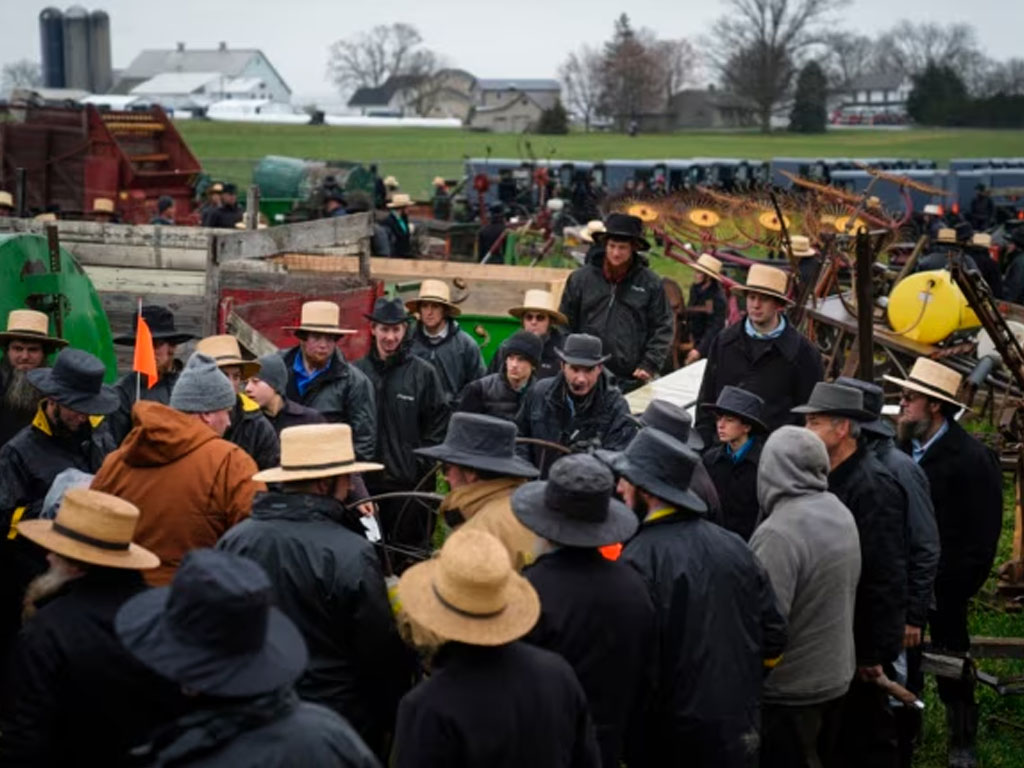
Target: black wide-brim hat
582,349
622,226
651,458
873,402
481,442
76,382
161,326
741,403
388,312
836,400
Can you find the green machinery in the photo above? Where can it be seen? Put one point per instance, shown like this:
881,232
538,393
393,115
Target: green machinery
35,275
292,188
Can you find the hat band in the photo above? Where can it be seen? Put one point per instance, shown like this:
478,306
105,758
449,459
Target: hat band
26,332
230,357
319,325
931,387
92,541
434,299
462,611
328,465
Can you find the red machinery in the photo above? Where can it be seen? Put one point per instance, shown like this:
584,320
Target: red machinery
74,155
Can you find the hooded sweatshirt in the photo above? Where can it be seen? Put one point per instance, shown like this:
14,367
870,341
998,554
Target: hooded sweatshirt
809,545
190,486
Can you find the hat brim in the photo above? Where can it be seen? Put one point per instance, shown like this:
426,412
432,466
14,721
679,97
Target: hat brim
134,558
704,270
860,416
34,338
764,292
510,467
879,427
686,499
171,337
320,329
249,368
386,320
529,507
143,629
282,475
924,390
753,421
555,315
640,243
419,599
588,362
413,305
693,440
100,403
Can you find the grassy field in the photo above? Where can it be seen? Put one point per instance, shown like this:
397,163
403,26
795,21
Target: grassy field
415,156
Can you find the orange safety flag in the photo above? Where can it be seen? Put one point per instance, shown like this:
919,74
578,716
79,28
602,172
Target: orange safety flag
611,551
145,355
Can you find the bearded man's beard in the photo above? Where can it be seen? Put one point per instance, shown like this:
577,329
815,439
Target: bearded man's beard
912,430
62,431
641,508
44,586
20,398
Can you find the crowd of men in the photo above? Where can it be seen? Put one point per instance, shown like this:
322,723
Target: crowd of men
188,576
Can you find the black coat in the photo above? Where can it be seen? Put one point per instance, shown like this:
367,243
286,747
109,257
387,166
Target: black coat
967,491
598,616
411,413
327,579
252,431
782,371
397,226
705,327
293,414
718,623
736,484
632,317
342,393
550,362
508,706
121,420
879,507
224,217
492,396
74,695
487,237
601,420
456,358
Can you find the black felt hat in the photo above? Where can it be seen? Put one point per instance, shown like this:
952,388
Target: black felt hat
161,325
873,401
481,442
673,419
661,465
388,312
740,403
76,381
582,349
622,226
836,400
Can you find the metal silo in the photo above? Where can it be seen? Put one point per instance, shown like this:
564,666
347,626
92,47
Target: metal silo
76,48
99,52
51,33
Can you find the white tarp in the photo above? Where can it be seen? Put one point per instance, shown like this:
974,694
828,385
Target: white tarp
679,387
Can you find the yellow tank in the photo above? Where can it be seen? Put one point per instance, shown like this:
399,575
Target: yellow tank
928,306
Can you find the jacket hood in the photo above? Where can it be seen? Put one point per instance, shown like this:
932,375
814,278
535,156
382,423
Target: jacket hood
160,435
470,498
794,462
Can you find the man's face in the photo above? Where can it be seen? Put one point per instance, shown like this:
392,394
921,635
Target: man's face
832,431
581,378
388,338
628,492
730,428
66,420
215,198
229,198
618,252
537,323
458,476
761,309
915,417
317,348
168,213
164,353
25,355
517,368
218,421
432,315
234,374
261,392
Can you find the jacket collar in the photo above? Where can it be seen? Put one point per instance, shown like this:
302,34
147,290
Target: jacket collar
469,499
42,423
839,476
788,343
299,507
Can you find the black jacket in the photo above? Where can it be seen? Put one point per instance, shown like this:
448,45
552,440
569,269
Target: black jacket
224,217
601,420
704,327
399,236
922,530
411,413
718,623
632,317
294,415
272,731
550,362
456,358
967,491
327,579
879,507
507,706
492,396
487,237
782,371
252,431
341,393
121,420
736,484
75,696
598,616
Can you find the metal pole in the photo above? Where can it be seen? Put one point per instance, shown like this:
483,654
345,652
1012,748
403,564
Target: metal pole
865,307
252,207
53,246
21,191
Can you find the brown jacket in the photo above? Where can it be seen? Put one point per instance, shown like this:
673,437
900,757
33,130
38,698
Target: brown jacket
189,484
486,506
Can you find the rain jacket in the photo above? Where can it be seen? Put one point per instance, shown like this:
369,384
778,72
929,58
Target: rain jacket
486,505
809,546
492,396
189,485
456,358
550,362
121,419
251,431
294,415
632,318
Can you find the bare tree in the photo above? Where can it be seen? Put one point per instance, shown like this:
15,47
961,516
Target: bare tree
909,47
677,61
758,43
847,57
24,73
370,58
581,75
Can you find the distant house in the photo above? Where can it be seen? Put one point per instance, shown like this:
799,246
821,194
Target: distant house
395,98
196,90
245,65
880,91
711,108
495,93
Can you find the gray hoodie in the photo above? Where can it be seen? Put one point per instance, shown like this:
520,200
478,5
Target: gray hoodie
808,543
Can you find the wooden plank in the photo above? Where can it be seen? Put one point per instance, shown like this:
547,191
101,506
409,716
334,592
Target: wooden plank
249,337
118,234
302,237
983,647
100,255
142,282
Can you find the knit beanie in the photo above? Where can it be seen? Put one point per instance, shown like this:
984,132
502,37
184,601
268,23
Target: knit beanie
201,387
526,344
274,372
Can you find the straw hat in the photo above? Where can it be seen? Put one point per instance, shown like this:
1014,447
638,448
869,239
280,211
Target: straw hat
225,350
6,199
470,593
537,300
29,325
320,317
932,379
315,450
801,245
438,182
391,181
400,200
766,280
436,291
946,235
709,265
873,202
981,240
92,527
216,187
594,226
45,217
102,205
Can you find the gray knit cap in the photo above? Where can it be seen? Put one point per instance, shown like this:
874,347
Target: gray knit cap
274,372
201,387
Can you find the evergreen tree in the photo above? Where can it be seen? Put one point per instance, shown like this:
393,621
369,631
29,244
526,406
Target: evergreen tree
939,97
554,120
808,115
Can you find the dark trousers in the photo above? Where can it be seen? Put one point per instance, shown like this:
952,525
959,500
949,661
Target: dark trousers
799,736
948,623
867,736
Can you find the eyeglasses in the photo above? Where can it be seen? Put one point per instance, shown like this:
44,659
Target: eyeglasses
534,316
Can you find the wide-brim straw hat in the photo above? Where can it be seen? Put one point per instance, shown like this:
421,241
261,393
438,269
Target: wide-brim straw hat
981,240
30,325
390,181
102,205
92,527
400,200
436,291
933,379
320,317
438,182
225,351
591,229
537,300
946,235
768,281
311,451
470,593
801,246
6,199
45,217
708,265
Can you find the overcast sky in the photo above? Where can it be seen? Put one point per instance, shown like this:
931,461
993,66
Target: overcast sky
520,38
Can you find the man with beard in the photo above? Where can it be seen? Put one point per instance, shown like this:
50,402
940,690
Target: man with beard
580,408
166,339
538,315
26,344
966,490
